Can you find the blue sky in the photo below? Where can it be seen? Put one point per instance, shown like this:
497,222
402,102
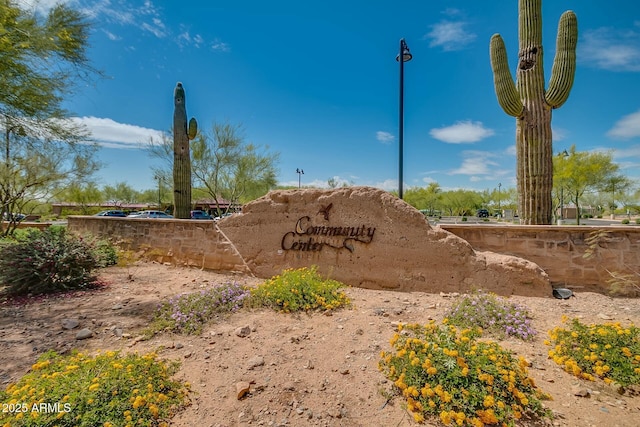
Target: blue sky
318,82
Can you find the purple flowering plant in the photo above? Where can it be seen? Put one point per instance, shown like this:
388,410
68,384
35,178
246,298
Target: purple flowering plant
493,314
188,313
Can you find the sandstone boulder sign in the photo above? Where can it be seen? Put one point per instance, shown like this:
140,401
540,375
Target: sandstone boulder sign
369,238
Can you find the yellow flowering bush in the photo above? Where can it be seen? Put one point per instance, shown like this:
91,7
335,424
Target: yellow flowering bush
608,351
109,390
301,289
448,373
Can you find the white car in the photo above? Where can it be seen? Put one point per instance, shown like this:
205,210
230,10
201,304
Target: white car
150,214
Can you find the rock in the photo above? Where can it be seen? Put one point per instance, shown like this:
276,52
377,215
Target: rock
118,332
178,345
242,388
70,323
289,386
604,316
117,307
381,225
255,361
243,331
84,334
582,393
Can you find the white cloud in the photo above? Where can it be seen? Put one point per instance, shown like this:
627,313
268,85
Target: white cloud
449,35
462,132
476,163
111,36
611,49
558,134
109,133
385,137
627,127
220,46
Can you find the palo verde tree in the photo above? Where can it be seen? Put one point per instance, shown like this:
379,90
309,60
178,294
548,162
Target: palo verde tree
531,105
181,155
223,164
42,57
583,171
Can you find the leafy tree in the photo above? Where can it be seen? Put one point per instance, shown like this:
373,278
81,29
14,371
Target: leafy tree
85,196
616,185
223,165
461,202
583,171
41,60
120,193
424,198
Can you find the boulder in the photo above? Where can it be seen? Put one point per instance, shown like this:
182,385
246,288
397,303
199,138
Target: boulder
367,237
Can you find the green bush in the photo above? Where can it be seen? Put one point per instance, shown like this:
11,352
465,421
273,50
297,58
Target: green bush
464,218
447,373
299,290
625,221
608,351
107,390
637,220
493,314
45,262
105,253
188,313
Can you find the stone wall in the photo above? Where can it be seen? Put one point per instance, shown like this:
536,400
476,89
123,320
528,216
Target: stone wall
177,241
560,250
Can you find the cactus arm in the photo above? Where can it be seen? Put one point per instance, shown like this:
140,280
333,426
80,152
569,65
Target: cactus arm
505,88
564,64
193,128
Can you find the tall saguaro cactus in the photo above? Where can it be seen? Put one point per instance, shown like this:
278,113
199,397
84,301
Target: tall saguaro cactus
531,105
181,155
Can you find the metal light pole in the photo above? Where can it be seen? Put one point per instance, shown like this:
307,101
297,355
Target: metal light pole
499,185
159,178
564,155
403,56
300,172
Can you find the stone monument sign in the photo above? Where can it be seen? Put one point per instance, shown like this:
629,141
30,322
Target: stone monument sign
369,238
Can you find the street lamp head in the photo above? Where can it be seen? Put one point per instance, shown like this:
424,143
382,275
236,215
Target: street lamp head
300,171
406,55
565,154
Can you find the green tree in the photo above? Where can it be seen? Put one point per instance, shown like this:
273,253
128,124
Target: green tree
424,198
461,202
86,196
120,193
583,171
41,60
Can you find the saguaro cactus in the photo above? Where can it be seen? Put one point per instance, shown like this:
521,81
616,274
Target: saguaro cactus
181,155
531,105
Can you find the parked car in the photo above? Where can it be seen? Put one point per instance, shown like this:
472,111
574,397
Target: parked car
200,215
482,213
15,217
112,213
150,214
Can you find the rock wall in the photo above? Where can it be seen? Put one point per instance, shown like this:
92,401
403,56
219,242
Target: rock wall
561,250
368,238
194,243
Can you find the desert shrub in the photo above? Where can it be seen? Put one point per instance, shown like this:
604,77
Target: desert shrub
464,218
188,313
47,261
105,390
625,221
637,220
608,351
493,314
300,290
105,252
445,372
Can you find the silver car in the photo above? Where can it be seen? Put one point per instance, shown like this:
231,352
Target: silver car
150,214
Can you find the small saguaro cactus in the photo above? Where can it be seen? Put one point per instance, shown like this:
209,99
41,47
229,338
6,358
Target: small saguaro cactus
181,155
531,105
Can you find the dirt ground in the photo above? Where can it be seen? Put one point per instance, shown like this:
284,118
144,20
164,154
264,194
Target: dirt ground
304,370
